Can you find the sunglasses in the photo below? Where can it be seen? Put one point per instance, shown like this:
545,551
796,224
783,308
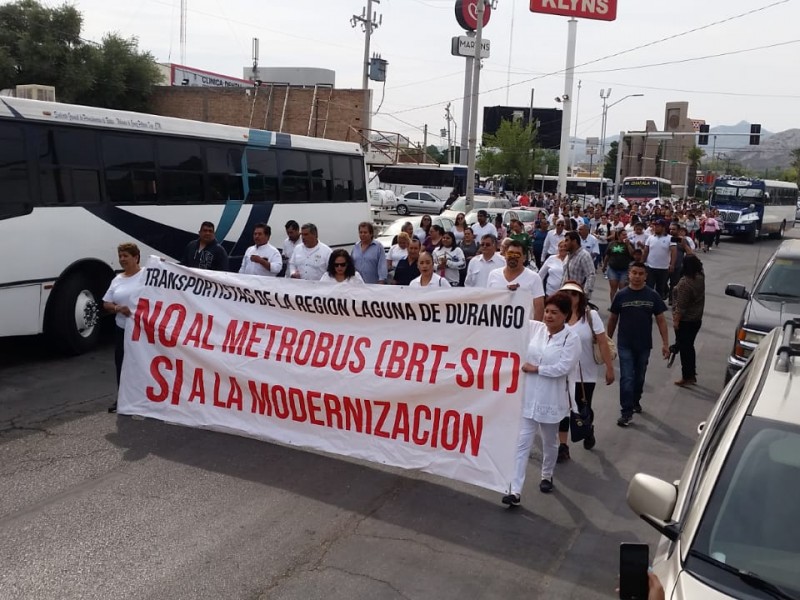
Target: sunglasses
340,265
513,255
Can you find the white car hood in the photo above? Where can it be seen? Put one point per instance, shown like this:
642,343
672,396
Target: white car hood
690,588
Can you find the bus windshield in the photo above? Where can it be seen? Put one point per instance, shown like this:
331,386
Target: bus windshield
728,194
639,188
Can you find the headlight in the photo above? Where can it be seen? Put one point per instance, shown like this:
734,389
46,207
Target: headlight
749,217
746,342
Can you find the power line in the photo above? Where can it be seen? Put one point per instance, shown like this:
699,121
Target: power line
615,54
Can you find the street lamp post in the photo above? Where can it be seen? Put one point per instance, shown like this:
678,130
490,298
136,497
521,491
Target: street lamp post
604,94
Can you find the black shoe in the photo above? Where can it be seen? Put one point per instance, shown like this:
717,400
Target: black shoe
546,486
511,499
112,408
590,441
624,421
637,408
563,453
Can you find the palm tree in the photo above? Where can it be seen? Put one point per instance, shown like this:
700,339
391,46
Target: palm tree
694,155
796,163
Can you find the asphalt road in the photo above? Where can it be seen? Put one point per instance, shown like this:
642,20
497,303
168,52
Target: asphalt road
94,505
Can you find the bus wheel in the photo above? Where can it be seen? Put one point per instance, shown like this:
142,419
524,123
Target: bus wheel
779,234
74,317
402,209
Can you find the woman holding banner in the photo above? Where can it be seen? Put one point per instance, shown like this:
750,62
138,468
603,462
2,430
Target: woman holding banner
553,352
427,278
120,297
341,269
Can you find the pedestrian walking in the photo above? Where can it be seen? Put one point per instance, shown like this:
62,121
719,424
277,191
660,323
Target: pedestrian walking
634,308
687,316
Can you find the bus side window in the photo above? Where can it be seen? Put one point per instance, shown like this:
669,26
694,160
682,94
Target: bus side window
130,168
262,172
69,166
342,179
224,173
180,172
321,179
15,199
294,176
359,180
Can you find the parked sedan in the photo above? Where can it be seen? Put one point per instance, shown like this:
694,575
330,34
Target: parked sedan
387,235
419,202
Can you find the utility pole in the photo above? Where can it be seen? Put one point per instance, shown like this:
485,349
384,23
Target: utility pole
449,117
473,116
425,143
575,135
184,14
369,22
604,95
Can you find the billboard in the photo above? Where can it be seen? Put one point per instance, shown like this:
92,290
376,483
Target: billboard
189,76
603,10
549,119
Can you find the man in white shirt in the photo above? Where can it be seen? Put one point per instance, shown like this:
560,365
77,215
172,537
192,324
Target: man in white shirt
262,258
589,243
554,236
290,243
657,258
488,261
514,276
309,259
483,226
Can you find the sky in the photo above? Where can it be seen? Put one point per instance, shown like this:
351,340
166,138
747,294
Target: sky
731,60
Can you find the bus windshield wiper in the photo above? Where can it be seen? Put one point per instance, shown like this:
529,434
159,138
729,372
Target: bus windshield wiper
751,579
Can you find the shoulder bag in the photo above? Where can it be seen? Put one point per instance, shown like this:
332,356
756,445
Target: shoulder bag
580,422
597,353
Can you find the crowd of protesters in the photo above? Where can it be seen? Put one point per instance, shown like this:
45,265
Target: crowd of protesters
647,252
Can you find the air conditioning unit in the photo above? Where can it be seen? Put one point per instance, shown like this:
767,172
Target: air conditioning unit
37,92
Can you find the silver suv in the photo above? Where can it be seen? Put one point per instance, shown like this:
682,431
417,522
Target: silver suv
731,525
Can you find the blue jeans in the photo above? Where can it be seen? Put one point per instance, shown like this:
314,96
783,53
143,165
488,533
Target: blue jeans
632,370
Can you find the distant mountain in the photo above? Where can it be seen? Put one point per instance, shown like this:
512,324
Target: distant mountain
774,153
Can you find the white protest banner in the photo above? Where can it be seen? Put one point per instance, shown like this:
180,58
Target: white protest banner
415,378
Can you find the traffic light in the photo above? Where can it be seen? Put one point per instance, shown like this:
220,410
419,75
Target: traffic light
702,139
755,134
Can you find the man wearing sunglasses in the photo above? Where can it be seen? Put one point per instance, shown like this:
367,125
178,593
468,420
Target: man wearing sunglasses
480,266
515,277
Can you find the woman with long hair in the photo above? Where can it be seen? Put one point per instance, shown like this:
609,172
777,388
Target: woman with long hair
586,322
425,225
120,298
459,227
618,256
553,352
434,239
469,246
539,235
687,315
449,259
341,269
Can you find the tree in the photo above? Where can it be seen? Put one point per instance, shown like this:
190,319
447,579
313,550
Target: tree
42,45
694,155
795,164
610,161
510,151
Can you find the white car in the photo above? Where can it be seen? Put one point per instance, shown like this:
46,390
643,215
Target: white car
490,203
419,202
731,524
387,235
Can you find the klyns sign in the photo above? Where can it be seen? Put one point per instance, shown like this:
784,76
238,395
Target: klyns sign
603,10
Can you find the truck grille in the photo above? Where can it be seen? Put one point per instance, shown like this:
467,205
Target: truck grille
729,216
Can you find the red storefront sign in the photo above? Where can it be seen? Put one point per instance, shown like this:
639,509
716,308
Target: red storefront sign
603,10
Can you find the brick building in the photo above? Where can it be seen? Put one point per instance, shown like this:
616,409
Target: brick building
318,111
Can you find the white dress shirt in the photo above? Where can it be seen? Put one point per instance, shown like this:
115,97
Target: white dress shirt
269,253
479,269
310,263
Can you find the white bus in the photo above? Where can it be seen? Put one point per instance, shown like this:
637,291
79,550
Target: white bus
77,181
437,179
752,207
646,190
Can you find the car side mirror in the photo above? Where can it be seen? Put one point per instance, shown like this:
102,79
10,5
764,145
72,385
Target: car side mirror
654,501
737,291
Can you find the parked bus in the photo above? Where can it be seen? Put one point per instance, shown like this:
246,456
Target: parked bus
437,179
753,207
646,190
77,181
576,186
